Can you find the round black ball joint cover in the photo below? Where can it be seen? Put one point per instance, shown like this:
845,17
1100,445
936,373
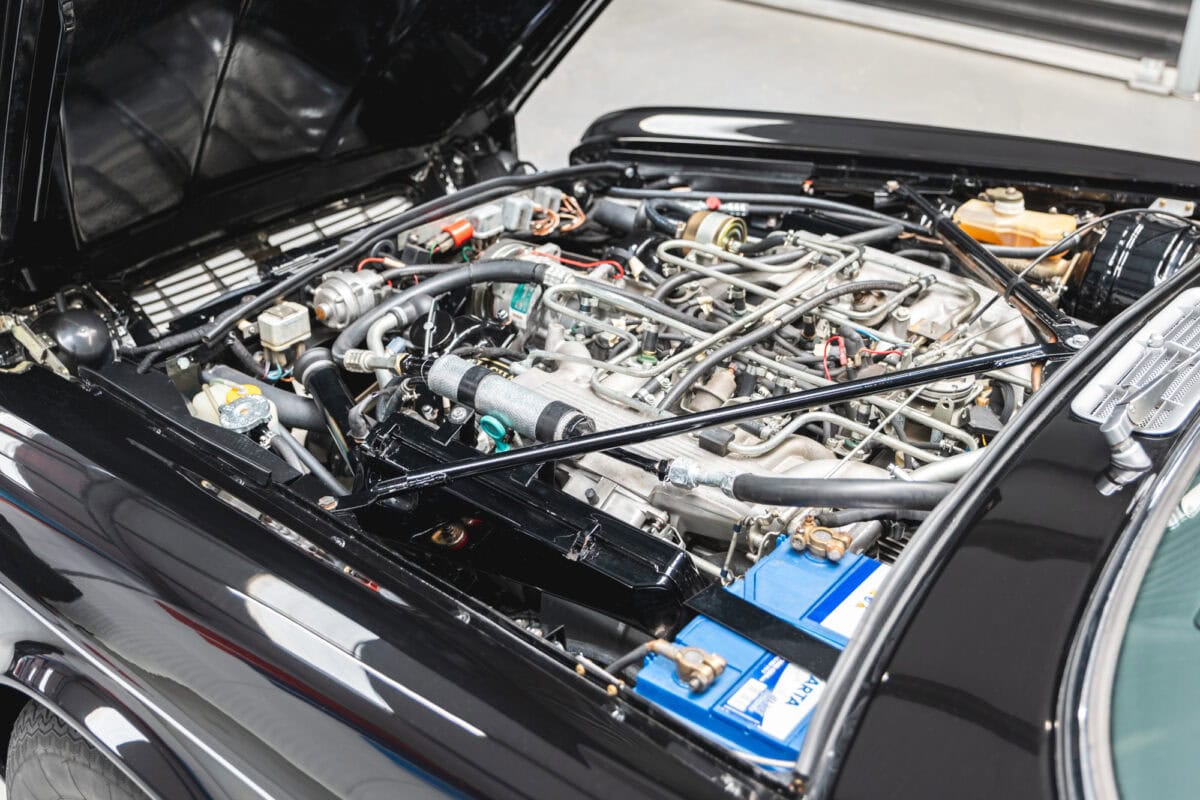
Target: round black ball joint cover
81,336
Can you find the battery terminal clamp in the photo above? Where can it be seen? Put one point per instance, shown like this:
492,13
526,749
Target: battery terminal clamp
695,667
821,542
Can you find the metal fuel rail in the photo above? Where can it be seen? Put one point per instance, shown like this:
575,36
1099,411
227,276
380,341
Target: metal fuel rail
686,423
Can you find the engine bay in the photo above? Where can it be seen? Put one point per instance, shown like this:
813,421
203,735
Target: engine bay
445,378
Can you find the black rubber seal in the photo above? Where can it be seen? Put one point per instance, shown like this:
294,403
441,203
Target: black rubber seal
469,385
547,421
766,630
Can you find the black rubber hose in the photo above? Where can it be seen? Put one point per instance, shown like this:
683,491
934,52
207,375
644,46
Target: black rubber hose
361,245
167,343
838,492
310,462
294,411
243,354
884,233
417,269
850,516
1002,251
666,310
940,260
668,286
629,659
656,210
790,200
745,341
409,301
772,239
613,215
317,372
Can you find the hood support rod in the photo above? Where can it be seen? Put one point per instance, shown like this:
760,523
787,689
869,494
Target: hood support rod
990,270
686,423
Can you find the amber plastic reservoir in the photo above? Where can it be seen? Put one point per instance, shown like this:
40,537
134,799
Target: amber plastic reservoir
1003,219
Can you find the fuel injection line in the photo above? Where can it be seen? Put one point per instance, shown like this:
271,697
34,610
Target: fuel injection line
686,423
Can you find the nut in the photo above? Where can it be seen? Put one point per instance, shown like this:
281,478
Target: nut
821,542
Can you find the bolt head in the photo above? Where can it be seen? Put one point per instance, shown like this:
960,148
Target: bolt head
1077,341
327,502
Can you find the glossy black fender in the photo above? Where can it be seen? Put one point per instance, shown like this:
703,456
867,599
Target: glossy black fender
253,647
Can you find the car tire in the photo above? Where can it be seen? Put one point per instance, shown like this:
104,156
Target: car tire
49,760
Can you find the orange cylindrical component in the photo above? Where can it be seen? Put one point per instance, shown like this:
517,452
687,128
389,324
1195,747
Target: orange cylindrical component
1011,225
459,231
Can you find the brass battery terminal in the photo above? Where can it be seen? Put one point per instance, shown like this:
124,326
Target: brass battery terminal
821,542
695,667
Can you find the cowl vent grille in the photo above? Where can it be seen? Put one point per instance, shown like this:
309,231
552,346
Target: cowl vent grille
195,285
1169,343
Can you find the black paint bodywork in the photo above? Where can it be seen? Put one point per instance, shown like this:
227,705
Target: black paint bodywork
787,149
134,127
220,637
219,653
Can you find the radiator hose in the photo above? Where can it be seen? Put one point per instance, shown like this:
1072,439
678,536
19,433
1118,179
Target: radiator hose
837,492
294,411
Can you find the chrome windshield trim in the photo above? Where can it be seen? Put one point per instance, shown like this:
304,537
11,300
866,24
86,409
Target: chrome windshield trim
1085,769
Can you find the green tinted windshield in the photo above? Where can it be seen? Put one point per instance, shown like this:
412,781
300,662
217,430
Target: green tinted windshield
1156,692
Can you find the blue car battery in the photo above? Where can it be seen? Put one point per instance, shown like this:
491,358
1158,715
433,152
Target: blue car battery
761,703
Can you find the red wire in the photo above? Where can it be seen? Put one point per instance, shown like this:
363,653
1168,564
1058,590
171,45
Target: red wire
882,352
366,261
584,264
825,355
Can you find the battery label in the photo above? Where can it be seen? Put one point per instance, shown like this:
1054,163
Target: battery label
775,697
845,617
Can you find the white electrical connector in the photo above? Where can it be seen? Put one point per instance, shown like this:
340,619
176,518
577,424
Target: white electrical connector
283,326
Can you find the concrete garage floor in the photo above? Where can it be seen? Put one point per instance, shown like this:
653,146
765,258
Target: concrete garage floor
737,55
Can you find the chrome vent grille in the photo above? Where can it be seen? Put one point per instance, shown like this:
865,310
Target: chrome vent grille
1169,343
193,286
337,223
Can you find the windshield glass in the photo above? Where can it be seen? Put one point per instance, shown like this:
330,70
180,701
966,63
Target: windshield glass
1156,691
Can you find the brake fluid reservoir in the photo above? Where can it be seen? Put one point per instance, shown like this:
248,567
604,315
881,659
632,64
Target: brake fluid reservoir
1003,219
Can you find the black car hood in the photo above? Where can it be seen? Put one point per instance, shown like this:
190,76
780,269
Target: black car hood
126,113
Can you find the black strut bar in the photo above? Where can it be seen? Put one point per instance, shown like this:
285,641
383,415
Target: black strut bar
686,423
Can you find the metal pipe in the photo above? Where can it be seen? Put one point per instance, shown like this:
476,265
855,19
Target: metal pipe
686,423
800,420
285,441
